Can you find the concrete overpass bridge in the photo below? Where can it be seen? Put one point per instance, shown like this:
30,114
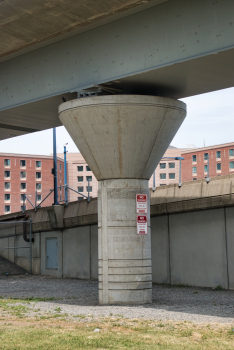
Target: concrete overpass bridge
142,56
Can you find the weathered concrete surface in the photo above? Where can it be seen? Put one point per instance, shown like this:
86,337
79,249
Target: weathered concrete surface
52,19
193,195
230,244
124,259
76,252
94,252
160,249
122,138
192,260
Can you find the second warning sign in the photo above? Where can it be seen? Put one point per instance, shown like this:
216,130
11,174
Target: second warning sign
142,226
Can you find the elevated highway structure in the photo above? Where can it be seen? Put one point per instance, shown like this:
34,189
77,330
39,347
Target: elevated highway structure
144,55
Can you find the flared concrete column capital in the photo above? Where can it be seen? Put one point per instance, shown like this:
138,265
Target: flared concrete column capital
122,136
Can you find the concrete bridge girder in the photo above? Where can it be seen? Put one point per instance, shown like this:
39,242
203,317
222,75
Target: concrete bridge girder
167,50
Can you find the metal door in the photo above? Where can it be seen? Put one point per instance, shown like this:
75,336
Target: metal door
51,253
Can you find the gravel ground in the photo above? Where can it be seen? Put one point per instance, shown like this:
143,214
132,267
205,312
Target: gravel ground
80,298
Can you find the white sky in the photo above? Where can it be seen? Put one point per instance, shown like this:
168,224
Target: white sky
210,118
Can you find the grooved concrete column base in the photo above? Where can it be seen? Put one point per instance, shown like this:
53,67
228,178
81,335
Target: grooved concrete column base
124,259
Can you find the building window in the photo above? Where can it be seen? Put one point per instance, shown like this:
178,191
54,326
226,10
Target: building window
38,175
38,197
80,189
206,156
218,154
194,169
60,198
80,178
88,168
7,173
60,167
80,168
23,163
22,208
206,168
23,174
7,162
194,157
7,208
162,176
231,166
218,166
22,196
89,188
194,178
88,178
7,185
80,198
38,164
23,186
171,165
38,187
162,185
231,152
162,165
7,197
172,176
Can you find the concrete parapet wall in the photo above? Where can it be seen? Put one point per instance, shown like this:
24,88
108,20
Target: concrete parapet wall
193,196
192,238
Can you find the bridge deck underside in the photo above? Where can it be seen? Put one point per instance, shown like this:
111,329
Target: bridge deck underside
179,80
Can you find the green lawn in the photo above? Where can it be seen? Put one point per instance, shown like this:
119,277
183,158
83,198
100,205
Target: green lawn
18,331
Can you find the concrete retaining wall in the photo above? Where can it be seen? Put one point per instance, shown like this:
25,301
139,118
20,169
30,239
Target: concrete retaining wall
191,248
193,245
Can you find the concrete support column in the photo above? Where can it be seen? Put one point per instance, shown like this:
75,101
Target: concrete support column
124,258
122,138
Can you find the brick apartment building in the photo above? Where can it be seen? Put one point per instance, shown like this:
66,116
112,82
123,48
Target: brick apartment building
78,174
167,172
195,164
25,174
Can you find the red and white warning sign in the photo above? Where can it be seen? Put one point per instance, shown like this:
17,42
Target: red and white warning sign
141,203
142,227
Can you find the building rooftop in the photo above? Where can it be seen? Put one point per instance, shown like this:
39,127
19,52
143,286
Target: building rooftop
193,150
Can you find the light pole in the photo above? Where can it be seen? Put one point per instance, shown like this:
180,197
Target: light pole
65,172
55,168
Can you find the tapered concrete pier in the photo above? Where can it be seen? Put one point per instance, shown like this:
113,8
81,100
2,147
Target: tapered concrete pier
122,138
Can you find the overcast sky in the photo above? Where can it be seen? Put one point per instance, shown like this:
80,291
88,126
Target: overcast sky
210,119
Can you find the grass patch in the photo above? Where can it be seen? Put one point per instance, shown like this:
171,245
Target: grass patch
55,334
219,287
